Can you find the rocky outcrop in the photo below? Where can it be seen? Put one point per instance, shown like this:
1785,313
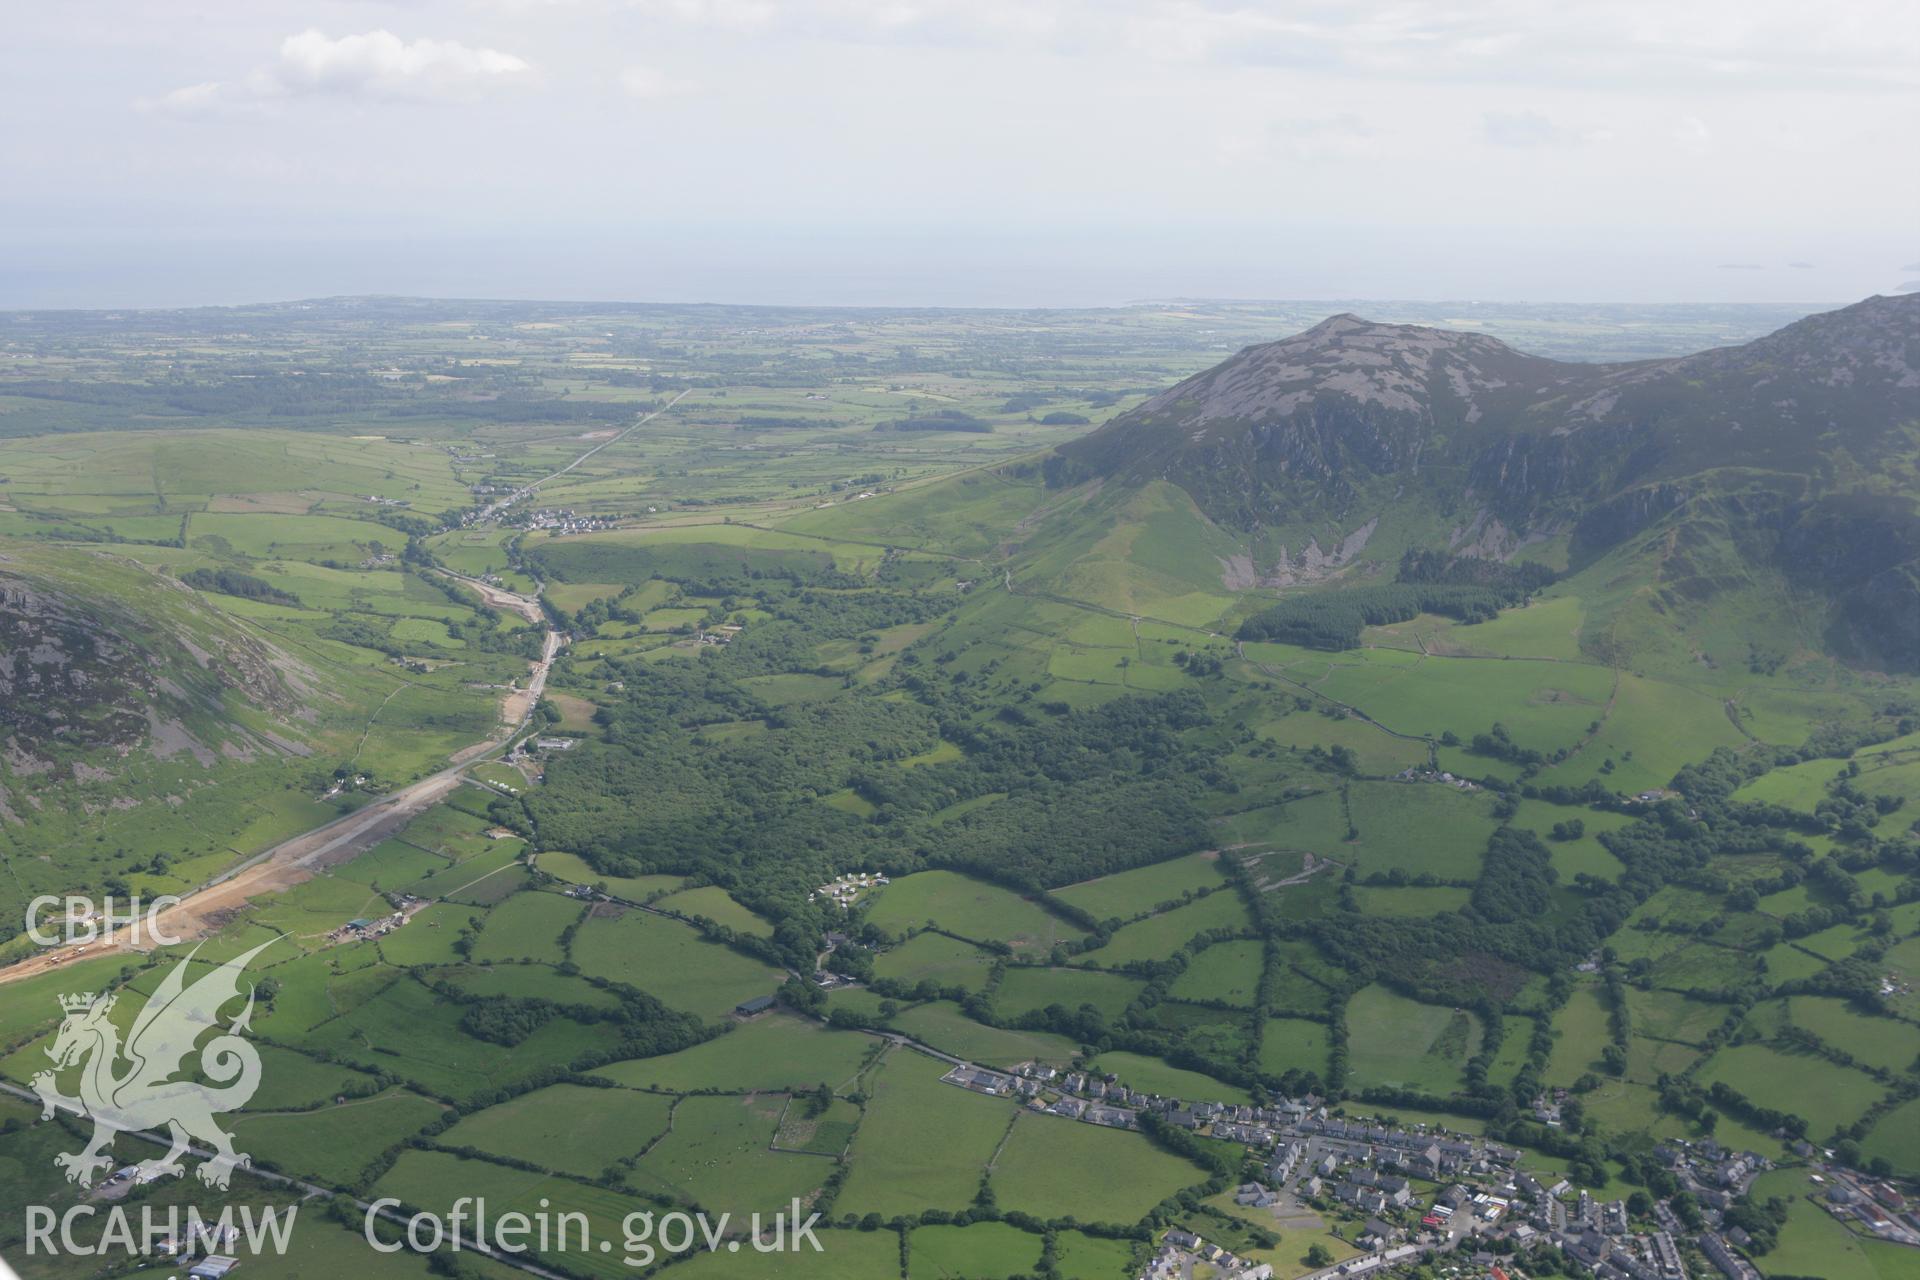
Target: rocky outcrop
1307,426
1351,419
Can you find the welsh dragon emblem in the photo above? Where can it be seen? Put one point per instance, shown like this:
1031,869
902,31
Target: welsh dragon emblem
148,1094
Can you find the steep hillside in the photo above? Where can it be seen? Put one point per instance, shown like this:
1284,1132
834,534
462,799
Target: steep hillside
101,660
1802,445
134,718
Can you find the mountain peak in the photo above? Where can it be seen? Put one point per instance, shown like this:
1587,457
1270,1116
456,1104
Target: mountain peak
1397,368
1355,426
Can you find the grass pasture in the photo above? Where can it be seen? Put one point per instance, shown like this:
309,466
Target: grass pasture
1036,1168
844,1255
527,926
1776,1079
923,1144
1896,1137
1228,972
968,908
718,1155
672,961
1293,1044
1127,894
566,1127
1151,1075
773,1052
1877,1042
574,869
1159,936
335,1144
716,905
942,1025
1411,900
934,957
1580,1030
431,1181
409,1031
1397,1042
978,1251
1023,990
1814,1243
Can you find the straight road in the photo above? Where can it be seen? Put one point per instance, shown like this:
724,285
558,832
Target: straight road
527,490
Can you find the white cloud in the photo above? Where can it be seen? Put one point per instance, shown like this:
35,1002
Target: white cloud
1715,44
1340,136
377,65
1692,133
650,82
1521,129
1528,128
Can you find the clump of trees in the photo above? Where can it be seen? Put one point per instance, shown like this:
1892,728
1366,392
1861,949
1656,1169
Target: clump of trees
231,582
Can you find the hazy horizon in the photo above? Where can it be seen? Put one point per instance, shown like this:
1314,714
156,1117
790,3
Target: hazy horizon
935,152
188,276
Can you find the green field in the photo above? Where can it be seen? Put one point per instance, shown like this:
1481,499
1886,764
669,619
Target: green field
1129,893
923,1144
714,904
1772,1078
942,1025
336,1143
1151,1075
1157,936
1226,972
527,926
866,594
981,1249
772,1052
1580,1033
1024,990
573,869
1895,1137
716,1156
565,1127
670,960
1133,1175
1395,1041
432,1182
967,908
1293,1044
936,958
1813,1243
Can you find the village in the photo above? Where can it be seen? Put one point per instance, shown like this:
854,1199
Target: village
1411,1193
560,521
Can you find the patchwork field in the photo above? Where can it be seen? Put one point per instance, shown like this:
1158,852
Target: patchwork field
670,960
1159,935
566,1127
1395,1041
966,908
771,1052
1134,1175
850,591
923,1144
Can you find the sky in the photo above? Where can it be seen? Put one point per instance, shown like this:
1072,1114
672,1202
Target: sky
958,152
